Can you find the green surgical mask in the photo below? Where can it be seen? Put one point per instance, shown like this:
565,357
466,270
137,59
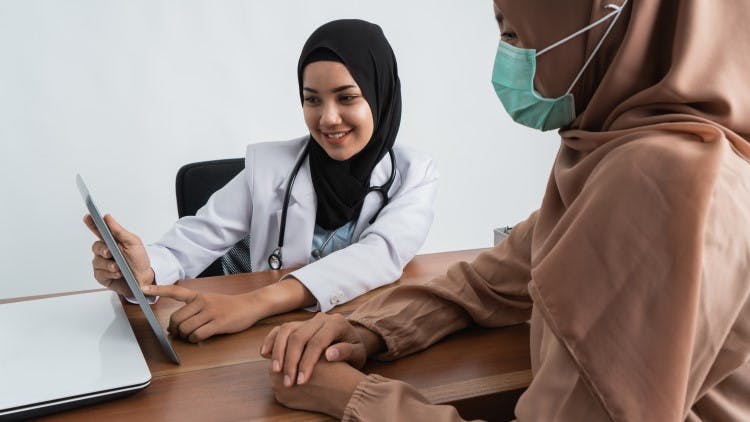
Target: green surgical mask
513,79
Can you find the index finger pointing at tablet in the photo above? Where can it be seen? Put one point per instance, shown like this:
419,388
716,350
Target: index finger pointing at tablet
173,292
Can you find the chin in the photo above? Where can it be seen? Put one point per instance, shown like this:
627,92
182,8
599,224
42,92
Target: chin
339,155
340,152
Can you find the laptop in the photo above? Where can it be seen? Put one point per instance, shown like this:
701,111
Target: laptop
127,273
64,352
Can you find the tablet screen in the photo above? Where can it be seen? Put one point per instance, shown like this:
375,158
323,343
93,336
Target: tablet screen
132,283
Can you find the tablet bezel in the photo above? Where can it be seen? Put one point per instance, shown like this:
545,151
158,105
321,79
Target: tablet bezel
127,273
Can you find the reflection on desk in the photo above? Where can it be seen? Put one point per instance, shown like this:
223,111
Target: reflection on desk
480,371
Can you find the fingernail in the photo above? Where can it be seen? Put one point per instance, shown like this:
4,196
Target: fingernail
300,378
332,354
263,350
287,381
146,288
276,366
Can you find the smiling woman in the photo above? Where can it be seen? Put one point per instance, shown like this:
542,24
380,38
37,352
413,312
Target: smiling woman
339,118
310,198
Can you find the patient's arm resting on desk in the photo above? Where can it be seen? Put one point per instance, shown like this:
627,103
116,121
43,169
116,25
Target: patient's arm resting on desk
328,391
295,348
208,314
106,271
340,390
491,291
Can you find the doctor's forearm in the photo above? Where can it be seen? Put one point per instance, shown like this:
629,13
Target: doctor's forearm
283,296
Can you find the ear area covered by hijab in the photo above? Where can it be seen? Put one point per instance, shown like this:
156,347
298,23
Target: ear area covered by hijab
618,244
361,46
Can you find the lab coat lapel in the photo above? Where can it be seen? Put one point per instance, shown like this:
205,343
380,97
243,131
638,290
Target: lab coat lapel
300,217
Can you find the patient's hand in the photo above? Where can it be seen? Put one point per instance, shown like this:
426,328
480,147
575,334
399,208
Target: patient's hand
207,314
327,391
295,348
106,271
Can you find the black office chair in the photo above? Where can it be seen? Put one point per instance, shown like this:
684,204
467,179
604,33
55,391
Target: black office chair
195,183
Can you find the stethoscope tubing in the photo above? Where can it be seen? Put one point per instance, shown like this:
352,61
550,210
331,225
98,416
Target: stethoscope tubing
288,193
275,259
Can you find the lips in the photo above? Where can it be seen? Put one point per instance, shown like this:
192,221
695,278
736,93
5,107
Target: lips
337,137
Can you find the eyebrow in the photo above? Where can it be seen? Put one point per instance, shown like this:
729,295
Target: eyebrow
337,89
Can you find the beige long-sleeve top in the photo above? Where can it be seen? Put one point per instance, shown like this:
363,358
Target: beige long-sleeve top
492,291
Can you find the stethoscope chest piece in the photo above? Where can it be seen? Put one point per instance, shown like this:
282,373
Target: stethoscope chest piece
274,260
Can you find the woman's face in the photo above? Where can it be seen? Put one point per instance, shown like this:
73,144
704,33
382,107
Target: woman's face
337,115
552,87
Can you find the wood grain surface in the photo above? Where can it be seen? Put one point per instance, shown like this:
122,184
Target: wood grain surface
225,378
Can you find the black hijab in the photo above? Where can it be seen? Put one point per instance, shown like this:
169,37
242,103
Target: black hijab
341,186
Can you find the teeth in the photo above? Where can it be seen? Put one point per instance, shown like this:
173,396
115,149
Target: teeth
336,135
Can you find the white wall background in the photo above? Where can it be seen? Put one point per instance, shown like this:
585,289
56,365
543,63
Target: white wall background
125,92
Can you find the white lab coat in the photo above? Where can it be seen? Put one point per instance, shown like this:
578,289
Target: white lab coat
251,203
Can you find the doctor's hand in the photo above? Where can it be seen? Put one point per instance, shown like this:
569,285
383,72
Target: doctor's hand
295,348
206,314
328,391
106,271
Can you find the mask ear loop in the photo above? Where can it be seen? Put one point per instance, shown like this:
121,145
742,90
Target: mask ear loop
617,12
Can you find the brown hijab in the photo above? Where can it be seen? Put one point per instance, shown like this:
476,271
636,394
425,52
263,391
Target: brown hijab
617,248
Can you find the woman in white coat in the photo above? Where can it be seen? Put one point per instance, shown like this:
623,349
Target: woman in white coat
358,208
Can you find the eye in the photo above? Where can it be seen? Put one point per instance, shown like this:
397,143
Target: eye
509,37
311,100
348,98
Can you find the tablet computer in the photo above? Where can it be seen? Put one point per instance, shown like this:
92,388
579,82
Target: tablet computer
127,273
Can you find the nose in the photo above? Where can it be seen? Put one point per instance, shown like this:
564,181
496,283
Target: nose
330,115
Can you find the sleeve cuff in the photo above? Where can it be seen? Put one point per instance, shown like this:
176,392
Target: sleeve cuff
327,296
363,396
166,268
150,299
391,343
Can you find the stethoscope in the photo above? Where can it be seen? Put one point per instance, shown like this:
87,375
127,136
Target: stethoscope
275,260
318,252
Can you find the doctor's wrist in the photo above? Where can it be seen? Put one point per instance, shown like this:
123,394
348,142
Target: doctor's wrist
146,278
283,296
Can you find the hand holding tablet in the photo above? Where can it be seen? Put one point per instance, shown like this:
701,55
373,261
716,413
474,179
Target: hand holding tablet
106,271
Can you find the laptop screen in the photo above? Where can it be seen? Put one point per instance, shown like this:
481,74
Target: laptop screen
66,348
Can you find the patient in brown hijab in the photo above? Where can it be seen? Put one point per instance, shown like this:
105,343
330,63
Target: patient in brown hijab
635,270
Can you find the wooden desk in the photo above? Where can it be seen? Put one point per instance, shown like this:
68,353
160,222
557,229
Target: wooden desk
481,371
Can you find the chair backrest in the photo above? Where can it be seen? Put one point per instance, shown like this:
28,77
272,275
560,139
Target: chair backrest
196,182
